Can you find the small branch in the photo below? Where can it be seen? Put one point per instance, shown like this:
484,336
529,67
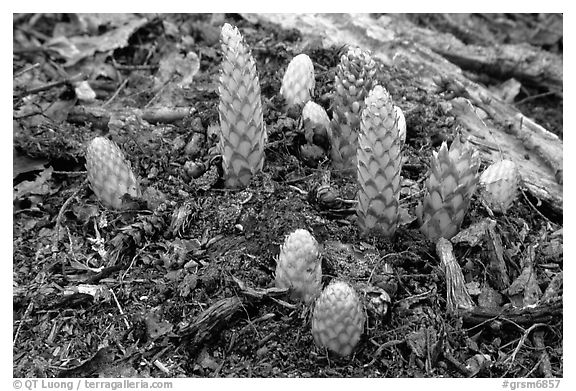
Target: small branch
24,317
534,207
461,367
62,210
529,98
543,313
49,86
116,93
512,358
220,314
259,294
69,173
120,309
27,69
381,348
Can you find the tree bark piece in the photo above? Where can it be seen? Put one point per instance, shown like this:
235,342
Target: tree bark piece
523,62
499,271
220,314
543,313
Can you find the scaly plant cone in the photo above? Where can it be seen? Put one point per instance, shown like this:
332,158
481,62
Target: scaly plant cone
298,81
379,165
109,173
401,123
499,185
316,121
299,266
338,319
452,181
243,135
316,114
353,81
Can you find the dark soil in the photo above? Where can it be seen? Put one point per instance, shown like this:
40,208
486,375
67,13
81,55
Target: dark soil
123,290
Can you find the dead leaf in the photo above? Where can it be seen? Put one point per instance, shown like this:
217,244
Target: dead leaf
98,292
85,212
473,288
525,291
405,217
549,31
478,363
59,110
22,164
84,92
474,234
98,363
155,327
508,90
489,297
206,361
178,68
37,187
76,48
417,342
187,285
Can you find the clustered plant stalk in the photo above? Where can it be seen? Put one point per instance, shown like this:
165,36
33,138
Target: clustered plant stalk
367,132
353,81
452,181
242,131
379,164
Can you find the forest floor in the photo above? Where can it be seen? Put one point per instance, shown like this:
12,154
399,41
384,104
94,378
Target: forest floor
179,286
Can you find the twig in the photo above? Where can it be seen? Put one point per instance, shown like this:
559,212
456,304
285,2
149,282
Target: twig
543,313
161,367
120,309
461,367
259,293
26,314
27,69
296,180
528,98
70,173
299,190
512,358
134,260
116,93
122,67
160,90
71,243
534,207
62,210
534,368
381,348
49,86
